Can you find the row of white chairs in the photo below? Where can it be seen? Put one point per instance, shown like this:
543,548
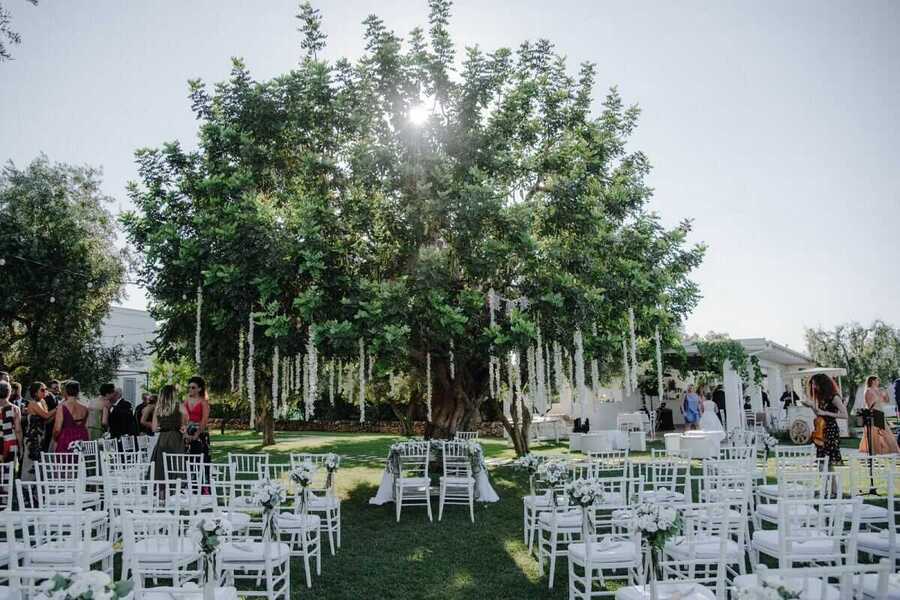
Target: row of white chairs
412,482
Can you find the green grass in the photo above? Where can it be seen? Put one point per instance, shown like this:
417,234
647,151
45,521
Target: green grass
452,559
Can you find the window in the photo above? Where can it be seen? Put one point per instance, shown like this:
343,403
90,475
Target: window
130,389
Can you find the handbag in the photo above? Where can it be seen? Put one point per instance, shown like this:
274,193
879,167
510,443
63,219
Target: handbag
818,435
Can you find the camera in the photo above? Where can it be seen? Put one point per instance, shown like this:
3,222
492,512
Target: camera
192,428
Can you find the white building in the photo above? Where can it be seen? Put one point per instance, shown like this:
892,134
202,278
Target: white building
134,330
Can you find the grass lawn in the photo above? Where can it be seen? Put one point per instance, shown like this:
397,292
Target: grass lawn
380,558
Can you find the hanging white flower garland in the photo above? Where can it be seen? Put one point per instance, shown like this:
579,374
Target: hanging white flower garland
558,368
595,369
197,331
231,381
275,373
540,380
312,368
626,370
362,380
493,361
241,364
428,383
251,374
659,368
331,382
634,365
580,392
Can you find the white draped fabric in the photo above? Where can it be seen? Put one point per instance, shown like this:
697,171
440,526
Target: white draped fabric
483,490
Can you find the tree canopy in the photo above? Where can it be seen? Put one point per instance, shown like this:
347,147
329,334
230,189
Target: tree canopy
60,273
382,198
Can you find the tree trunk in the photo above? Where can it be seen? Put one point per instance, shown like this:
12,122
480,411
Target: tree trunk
452,402
404,417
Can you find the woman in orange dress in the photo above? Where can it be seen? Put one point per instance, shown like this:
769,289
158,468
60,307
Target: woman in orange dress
883,441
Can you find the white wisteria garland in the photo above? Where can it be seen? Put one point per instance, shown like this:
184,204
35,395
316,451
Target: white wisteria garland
626,370
275,373
231,383
197,331
362,380
558,368
428,384
312,372
634,365
241,363
493,361
251,374
581,392
540,376
331,382
659,368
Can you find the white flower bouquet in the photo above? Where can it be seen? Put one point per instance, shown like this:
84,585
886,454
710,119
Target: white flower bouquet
332,462
207,533
657,523
584,492
269,495
529,462
552,472
302,474
76,447
86,585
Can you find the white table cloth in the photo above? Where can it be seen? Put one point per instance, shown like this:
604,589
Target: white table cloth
604,441
666,591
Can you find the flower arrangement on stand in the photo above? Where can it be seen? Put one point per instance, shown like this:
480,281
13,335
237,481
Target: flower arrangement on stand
302,476
657,523
530,463
553,473
268,495
86,585
585,493
769,442
207,533
332,464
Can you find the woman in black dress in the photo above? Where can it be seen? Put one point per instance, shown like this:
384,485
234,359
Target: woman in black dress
828,405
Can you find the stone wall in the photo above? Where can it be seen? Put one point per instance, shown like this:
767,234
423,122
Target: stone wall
487,429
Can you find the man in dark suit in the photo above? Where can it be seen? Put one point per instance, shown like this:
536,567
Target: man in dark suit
118,415
718,398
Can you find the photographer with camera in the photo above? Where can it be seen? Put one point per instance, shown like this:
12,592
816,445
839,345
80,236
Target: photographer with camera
197,408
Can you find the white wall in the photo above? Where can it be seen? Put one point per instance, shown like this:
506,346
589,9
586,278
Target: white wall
132,329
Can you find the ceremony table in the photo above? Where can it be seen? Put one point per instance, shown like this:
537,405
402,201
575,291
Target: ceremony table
484,492
604,441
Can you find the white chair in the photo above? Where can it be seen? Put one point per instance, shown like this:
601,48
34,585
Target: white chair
805,451
323,500
872,516
256,560
712,546
845,582
534,504
223,487
63,539
883,543
558,527
109,445
128,443
457,485
791,485
602,558
248,466
665,480
813,532
6,485
159,546
412,485
302,532
466,435
769,492
195,492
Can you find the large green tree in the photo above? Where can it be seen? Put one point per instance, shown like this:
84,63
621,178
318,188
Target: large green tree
861,350
383,198
59,272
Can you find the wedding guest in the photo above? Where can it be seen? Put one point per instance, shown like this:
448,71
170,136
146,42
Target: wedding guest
197,408
883,441
146,420
690,408
118,415
15,396
11,421
169,421
35,428
71,417
719,398
52,398
827,405
789,398
4,376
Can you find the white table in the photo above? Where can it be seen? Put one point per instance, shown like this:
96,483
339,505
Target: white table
575,442
666,591
637,441
701,444
637,420
604,441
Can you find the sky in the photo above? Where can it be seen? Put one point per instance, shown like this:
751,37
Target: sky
773,125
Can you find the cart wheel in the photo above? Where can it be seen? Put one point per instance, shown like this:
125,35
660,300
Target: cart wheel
800,432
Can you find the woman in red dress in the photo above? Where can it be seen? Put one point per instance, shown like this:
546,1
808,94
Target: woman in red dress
197,408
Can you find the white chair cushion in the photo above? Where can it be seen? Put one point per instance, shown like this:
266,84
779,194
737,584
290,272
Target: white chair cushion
238,520
768,541
52,553
69,497
567,520
868,513
605,552
813,590
8,594
164,549
414,481
771,489
243,553
291,521
770,511
200,501
705,548
538,501
324,503
663,496
874,540
458,480
870,588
